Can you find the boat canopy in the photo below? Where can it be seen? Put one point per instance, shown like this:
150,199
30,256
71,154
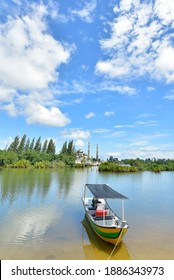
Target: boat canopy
104,191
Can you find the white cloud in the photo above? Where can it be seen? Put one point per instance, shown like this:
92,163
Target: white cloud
146,123
86,13
76,134
101,130
113,68
164,10
80,143
144,153
29,55
140,41
6,142
139,143
126,90
145,115
39,114
86,87
30,58
150,88
109,113
165,65
6,94
143,149
10,108
114,154
18,2
90,115
116,134
124,126
169,96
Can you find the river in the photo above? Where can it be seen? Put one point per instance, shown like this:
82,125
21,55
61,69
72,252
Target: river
42,217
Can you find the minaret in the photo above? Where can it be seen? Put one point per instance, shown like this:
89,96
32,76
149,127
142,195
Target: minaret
97,152
88,151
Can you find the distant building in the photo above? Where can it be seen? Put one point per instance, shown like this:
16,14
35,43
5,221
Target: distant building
83,158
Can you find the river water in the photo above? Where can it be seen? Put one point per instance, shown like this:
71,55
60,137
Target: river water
42,217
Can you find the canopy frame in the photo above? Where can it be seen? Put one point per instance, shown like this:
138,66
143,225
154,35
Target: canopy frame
105,191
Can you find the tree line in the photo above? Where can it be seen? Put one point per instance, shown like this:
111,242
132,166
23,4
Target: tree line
134,165
25,152
25,144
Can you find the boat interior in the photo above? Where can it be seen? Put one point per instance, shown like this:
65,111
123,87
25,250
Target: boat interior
101,213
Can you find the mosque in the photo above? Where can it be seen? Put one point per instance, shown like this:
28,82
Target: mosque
83,158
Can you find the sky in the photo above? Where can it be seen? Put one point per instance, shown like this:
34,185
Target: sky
91,71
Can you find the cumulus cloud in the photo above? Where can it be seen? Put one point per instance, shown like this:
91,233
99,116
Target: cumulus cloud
41,115
141,41
30,58
6,93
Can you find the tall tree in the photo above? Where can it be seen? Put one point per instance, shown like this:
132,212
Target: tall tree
64,148
38,145
32,144
45,144
22,144
70,148
14,145
27,145
51,149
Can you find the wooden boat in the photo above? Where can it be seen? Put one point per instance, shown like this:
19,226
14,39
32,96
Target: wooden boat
96,248
105,223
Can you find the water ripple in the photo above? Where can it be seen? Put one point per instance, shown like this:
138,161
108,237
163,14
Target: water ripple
21,226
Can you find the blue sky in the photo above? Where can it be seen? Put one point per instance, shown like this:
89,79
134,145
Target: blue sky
98,71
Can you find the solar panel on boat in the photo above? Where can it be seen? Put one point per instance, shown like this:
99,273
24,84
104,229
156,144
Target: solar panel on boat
104,191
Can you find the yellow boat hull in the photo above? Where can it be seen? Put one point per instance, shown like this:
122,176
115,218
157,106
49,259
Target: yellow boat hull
112,235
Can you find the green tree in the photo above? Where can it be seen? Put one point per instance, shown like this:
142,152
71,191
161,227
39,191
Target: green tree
44,148
51,147
70,148
22,144
27,145
33,156
32,144
9,157
38,145
14,145
64,148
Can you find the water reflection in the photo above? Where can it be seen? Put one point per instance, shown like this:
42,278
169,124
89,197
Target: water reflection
17,182
65,179
41,213
97,249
